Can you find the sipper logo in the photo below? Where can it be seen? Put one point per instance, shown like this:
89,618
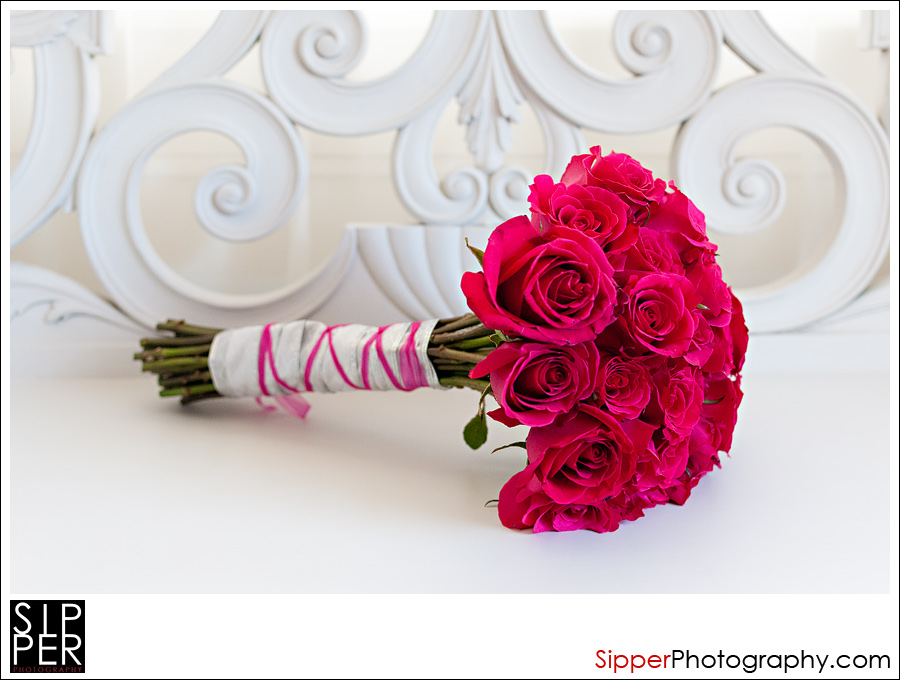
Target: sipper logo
46,636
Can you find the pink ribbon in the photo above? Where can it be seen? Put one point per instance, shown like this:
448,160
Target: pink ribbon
412,373
292,403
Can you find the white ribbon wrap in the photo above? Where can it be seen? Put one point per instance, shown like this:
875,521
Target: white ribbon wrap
234,358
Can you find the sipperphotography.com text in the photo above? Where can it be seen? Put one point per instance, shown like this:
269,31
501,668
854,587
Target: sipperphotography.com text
684,659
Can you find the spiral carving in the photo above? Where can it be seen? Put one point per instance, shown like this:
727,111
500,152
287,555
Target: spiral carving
234,203
223,201
305,55
509,191
740,196
331,50
642,46
756,189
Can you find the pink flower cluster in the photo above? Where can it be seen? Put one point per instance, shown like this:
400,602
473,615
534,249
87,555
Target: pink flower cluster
626,346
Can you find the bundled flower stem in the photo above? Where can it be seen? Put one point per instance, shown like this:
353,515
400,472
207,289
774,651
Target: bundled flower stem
181,362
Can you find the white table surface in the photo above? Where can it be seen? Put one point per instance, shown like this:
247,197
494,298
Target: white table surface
117,491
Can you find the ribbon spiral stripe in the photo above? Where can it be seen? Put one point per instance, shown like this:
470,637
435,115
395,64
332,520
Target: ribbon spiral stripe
283,360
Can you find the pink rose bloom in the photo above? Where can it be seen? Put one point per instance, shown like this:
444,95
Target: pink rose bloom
680,396
661,464
723,396
596,212
715,295
623,386
523,505
534,382
658,313
679,219
554,288
728,345
586,456
652,252
632,502
704,343
618,173
738,332
680,491
711,434
703,447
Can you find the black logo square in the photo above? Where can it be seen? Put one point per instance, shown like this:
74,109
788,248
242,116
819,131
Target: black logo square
46,636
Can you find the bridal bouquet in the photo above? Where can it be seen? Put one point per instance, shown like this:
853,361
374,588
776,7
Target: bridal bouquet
601,322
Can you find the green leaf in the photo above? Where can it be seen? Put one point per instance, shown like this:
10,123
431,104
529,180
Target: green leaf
702,307
521,445
499,337
713,401
475,432
479,254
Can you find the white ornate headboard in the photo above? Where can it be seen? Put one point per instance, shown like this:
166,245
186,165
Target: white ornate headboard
272,245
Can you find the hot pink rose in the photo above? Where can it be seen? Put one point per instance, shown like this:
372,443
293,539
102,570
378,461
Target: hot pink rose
524,505
711,434
658,313
715,296
738,332
703,343
652,252
677,217
622,175
554,288
534,382
680,491
596,212
623,385
722,396
661,464
680,396
728,344
704,448
586,456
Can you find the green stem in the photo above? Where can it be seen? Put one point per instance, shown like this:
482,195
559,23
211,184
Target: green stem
453,370
182,328
473,343
197,397
439,363
176,365
445,352
187,390
459,381
448,325
182,341
178,381
462,334
167,353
